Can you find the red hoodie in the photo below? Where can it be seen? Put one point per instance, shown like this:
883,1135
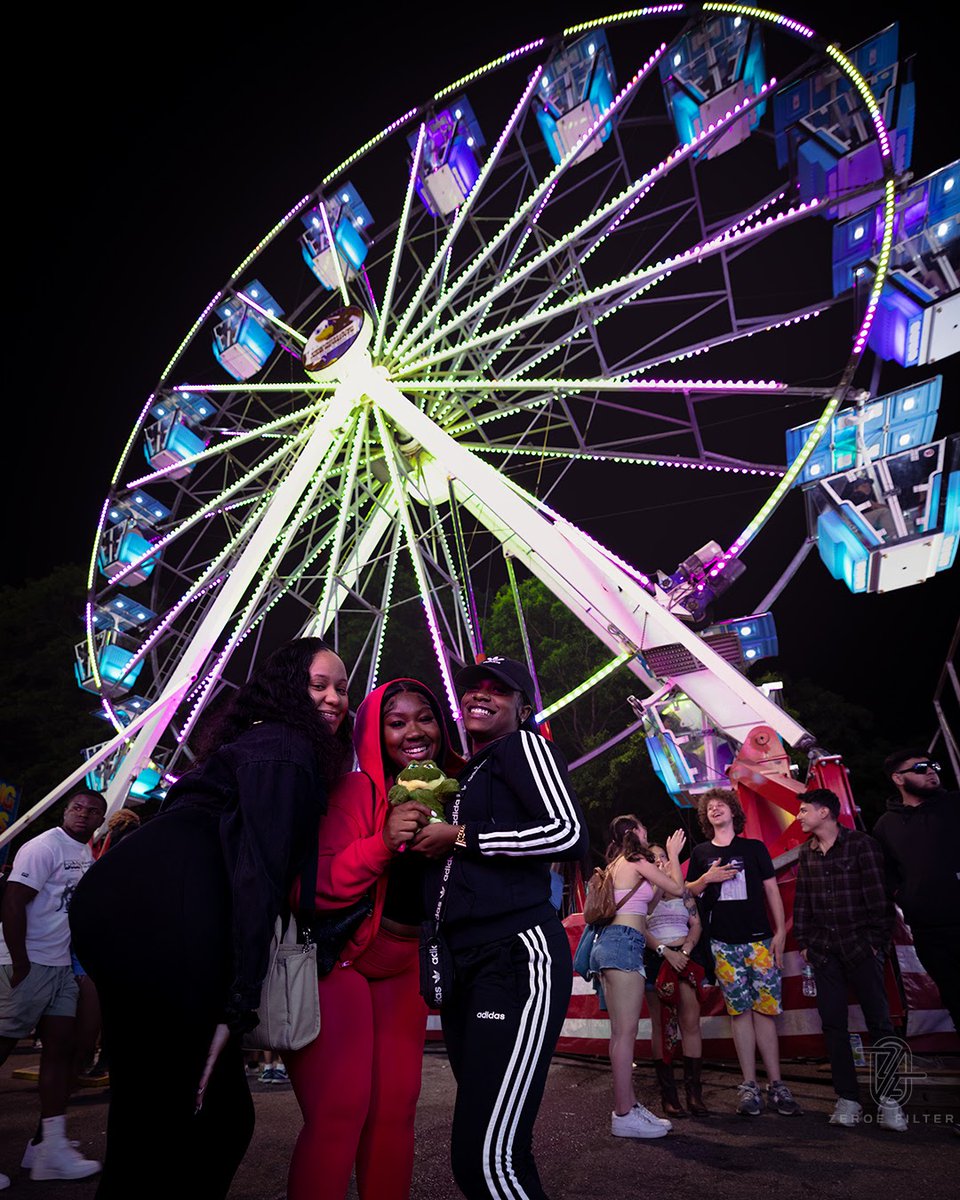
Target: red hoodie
353,853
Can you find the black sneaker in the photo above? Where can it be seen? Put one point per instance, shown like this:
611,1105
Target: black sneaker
780,1099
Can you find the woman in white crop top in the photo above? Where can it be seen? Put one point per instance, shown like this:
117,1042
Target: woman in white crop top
672,930
617,956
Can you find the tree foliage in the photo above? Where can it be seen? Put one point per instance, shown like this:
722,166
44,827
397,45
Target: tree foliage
45,720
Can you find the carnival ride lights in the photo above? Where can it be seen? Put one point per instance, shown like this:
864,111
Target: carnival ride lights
536,326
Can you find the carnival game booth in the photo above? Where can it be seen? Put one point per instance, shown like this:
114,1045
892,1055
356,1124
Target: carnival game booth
770,796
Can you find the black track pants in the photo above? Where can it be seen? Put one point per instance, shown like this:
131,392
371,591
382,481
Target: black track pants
501,1029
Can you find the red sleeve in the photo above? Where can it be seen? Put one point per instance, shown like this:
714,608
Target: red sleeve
352,852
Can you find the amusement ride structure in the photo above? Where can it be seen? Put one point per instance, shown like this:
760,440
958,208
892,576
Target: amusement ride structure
606,253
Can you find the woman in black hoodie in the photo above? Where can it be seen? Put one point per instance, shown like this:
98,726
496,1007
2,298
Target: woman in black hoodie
514,815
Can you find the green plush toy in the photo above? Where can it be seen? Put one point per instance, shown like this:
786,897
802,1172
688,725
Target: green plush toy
425,782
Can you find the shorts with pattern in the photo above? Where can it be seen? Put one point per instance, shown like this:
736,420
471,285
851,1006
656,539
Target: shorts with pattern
617,948
748,977
43,992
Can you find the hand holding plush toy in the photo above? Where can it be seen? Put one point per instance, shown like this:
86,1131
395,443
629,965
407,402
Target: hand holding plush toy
426,783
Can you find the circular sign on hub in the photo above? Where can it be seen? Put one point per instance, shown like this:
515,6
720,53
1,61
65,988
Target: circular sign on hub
340,337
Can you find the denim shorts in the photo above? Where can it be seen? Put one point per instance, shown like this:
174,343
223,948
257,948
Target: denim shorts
618,948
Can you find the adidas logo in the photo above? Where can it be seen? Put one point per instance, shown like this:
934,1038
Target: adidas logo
491,1016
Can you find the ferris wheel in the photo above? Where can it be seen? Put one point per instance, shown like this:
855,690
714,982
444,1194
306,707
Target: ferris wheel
602,256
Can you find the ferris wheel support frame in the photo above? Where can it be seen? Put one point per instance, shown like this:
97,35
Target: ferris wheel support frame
604,597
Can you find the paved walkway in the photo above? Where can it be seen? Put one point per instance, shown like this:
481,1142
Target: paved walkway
719,1157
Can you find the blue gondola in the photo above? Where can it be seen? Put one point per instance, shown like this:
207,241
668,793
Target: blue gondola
168,442
120,545
707,72
349,220
241,341
890,522
114,653
450,161
576,87
820,127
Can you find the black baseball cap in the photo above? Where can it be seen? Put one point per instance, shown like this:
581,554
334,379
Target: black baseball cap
514,674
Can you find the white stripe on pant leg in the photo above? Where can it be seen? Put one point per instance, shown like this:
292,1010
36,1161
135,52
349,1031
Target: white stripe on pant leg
516,1079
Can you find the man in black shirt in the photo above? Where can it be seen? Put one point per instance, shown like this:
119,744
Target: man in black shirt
747,953
920,838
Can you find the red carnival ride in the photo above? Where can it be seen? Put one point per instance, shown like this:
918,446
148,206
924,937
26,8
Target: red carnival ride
770,796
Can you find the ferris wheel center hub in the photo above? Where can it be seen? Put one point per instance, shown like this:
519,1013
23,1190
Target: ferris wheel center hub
337,344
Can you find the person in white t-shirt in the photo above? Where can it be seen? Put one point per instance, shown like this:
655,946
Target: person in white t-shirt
38,988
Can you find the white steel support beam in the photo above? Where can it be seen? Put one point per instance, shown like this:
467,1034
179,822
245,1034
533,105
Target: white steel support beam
231,595
604,597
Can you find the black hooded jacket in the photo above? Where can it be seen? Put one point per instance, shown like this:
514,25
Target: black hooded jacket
921,850
520,815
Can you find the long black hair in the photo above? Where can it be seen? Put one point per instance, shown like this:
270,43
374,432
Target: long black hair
277,692
625,840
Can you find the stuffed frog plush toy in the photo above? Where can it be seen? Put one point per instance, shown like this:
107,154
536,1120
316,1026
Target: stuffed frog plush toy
425,782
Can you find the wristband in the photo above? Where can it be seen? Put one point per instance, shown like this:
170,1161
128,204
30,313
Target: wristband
661,949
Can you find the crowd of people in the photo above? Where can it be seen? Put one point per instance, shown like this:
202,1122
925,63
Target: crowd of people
288,809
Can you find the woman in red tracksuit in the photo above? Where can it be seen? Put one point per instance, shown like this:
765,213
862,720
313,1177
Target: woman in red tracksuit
358,1083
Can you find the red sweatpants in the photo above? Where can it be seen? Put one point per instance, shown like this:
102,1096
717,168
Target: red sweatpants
358,1083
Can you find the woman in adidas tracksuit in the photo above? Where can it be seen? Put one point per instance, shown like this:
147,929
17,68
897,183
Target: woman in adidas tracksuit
515,814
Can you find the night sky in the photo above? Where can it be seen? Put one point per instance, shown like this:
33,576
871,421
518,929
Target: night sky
150,163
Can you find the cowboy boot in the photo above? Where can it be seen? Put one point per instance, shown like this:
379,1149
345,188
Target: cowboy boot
693,1087
669,1099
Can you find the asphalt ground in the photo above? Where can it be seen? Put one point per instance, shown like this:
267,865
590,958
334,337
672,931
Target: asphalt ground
791,1158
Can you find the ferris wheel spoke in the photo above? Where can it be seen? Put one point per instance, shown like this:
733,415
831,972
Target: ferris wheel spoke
385,308
533,203
462,213
613,213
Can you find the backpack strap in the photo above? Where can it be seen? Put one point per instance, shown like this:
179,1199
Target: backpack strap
622,902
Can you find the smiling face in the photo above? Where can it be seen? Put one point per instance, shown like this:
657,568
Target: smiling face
328,687
660,860
491,709
719,813
411,732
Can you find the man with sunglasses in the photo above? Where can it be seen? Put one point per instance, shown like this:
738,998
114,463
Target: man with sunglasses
920,837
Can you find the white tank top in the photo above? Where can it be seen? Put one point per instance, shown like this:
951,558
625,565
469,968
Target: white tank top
669,921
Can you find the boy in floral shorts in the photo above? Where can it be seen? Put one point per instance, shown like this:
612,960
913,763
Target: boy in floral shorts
747,952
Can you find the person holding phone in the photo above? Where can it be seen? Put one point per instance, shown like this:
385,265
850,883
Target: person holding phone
746,925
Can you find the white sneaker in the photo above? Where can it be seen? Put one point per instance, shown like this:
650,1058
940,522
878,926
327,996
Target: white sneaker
4,1181
891,1116
31,1152
57,1159
846,1112
633,1125
647,1115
